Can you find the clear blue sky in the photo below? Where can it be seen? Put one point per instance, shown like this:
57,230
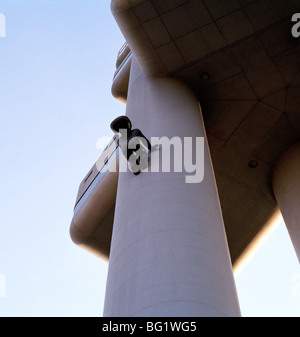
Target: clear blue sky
56,68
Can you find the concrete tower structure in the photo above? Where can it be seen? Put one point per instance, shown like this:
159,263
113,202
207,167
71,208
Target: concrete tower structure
226,72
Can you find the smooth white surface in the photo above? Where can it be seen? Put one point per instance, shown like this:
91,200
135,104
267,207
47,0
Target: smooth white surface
286,186
169,254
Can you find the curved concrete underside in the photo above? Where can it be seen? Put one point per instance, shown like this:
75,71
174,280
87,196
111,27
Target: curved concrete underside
240,59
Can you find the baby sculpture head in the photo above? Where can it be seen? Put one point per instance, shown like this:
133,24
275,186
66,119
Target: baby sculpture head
121,123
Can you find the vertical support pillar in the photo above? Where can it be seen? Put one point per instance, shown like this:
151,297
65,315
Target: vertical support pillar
286,187
169,254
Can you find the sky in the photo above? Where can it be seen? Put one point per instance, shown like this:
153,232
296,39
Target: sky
56,68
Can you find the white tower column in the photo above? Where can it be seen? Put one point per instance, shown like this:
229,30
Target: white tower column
286,186
169,254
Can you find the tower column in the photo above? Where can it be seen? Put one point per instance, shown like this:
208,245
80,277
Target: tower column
169,254
286,186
